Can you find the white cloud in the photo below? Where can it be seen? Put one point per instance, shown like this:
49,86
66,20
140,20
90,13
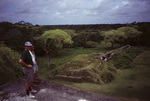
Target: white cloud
74,11
125,2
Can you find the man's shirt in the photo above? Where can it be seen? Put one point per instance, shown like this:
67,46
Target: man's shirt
26,57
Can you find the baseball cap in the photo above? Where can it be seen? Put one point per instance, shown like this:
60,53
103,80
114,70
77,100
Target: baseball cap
28,43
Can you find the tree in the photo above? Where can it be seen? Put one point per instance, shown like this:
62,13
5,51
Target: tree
53,40
144,27
70,32
114,36
21,22
132,34
127,35
81,39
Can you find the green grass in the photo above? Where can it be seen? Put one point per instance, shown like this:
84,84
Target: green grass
68,53
130,84
64,55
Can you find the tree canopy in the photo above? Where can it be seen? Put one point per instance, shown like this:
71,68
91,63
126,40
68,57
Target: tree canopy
127,35
132,34
55,38
52,40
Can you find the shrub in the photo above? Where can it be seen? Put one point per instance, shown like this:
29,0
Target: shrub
123,60
91,44
9,69
107,77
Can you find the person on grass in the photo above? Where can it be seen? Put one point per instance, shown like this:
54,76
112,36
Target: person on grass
26,61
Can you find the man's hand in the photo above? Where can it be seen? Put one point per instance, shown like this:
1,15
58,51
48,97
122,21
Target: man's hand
24,64
29,66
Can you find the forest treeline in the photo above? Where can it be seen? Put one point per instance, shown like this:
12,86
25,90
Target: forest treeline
14,35
51,38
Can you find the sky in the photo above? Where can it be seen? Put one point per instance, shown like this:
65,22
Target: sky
62,12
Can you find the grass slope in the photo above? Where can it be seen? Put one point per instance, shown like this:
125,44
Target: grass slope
64,56
129,84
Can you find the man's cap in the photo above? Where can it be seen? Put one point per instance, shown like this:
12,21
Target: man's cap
28,43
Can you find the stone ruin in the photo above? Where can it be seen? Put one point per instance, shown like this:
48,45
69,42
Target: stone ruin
76,76
107,56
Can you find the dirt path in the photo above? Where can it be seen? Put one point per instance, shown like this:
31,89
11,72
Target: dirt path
47,91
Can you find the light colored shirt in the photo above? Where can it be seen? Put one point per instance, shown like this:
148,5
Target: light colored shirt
33,57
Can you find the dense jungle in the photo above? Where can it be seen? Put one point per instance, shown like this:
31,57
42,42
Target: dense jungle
107,59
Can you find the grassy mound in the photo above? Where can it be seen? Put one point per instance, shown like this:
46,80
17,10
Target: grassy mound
131,79
87,68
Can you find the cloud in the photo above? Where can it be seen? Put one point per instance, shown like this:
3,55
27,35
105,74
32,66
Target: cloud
74,11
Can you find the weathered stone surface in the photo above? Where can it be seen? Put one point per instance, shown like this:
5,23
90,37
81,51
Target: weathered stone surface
107,56
47,91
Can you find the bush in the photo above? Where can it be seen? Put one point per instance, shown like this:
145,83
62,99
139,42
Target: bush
107,77
123,60
91,44
9,69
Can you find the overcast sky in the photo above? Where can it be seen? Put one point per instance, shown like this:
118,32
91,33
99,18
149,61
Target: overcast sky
58,12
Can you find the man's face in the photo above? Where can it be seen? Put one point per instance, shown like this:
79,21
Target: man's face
32,48
28,48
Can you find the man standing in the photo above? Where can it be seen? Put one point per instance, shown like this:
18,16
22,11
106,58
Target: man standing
27,63
35,66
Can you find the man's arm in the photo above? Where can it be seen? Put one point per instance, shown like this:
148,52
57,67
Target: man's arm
24,64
